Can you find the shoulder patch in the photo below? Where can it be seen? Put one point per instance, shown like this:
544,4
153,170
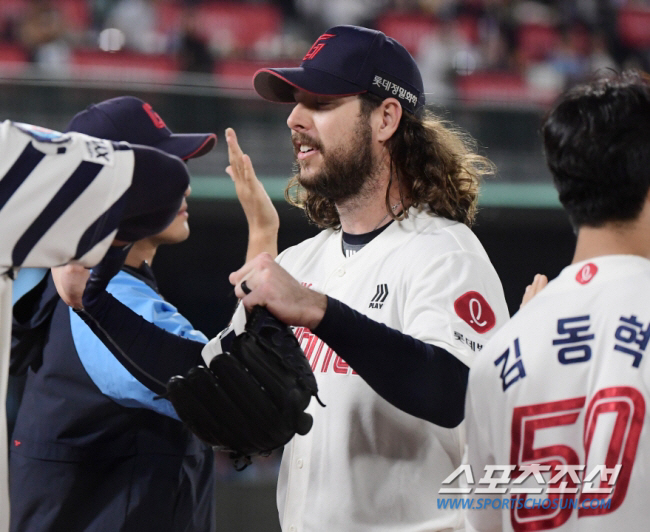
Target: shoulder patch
587,273
43,134
474,310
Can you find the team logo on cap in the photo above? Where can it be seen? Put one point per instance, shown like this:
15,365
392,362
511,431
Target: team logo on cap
475,311
587,273
317,46
155,117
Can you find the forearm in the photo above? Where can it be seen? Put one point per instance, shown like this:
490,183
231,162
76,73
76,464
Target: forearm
422,379
151,354
262,241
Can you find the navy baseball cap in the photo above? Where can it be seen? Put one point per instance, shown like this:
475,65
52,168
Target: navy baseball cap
344,61
130,119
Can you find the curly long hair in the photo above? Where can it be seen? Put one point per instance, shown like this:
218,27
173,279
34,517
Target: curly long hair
435,163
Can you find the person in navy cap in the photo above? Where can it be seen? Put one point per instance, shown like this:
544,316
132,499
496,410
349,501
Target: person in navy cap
93,448
391,301
127,118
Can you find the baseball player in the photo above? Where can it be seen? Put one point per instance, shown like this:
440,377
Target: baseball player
557,401
391,301
67,197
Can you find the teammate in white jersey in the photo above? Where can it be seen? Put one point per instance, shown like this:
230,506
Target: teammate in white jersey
565,382
391,301
66,197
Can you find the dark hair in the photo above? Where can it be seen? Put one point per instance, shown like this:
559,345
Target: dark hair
597,146
435,163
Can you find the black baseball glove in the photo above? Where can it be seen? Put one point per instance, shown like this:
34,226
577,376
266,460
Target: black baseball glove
251,399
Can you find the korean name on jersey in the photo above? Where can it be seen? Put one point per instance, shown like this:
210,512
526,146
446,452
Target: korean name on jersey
565,382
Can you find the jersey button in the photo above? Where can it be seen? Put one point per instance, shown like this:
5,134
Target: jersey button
300,463
292,528
340,272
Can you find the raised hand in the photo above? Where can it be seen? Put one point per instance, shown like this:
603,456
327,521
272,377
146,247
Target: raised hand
262,217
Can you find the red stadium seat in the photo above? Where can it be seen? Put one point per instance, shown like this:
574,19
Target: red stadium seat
537,41
10,12
13,59
408,28
11,9
242,26
634,27
75,13
467,26
130,65
492,87
12,53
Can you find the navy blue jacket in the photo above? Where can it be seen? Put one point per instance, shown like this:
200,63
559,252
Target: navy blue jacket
92,450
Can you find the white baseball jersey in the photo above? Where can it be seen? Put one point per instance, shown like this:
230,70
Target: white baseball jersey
565,384
56,194
366,465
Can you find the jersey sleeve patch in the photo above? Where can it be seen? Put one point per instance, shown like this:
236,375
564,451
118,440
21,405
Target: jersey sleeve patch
474,310
42,134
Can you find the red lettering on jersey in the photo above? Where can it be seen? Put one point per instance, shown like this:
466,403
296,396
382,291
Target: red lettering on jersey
320,345
587,273
313,347
317,46
327,359
17,443
155,117
340,366
475,311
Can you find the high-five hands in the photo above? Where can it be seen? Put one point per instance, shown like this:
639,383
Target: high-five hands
261,215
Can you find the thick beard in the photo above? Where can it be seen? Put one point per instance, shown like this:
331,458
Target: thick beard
346,169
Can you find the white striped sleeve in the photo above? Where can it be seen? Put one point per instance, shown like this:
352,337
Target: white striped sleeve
60,195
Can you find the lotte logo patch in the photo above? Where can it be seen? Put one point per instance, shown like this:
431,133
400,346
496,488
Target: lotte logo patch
587,273
475,311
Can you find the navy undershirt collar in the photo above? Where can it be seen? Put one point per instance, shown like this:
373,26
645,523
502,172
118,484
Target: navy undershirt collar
364,238
352,244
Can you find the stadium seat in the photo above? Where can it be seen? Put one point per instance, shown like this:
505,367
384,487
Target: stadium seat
492,87
536,41
75,13
11,9
634,27
124,65
467,26
241,27
13,59
408,28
